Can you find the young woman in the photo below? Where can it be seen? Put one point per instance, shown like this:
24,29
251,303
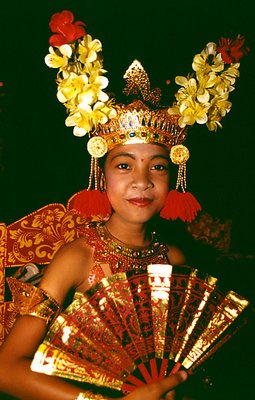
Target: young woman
137,183
137,139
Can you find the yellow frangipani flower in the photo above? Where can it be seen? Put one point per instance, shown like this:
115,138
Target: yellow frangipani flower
174,110
85,117
220,106
225,81
70,87
188,90
203,96
205,82
233,71
60,60
88,49
200,62
95,69
80,83
193,111
92,91
82,122
99,83
100,113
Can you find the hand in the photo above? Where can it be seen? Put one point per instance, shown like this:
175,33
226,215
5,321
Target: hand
157,390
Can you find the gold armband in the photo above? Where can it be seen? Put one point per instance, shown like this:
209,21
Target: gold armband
90,396
31,300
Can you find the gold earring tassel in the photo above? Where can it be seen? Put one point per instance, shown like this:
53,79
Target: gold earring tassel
181,178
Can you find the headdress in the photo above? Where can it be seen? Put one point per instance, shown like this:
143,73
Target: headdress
203,98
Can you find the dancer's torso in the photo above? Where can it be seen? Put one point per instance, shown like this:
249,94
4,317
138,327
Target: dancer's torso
112,256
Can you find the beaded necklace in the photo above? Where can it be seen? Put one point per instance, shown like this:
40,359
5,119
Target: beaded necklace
120,257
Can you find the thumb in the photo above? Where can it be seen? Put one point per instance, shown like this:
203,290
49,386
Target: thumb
155,390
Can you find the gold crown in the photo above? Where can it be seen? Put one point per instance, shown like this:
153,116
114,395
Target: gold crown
137,122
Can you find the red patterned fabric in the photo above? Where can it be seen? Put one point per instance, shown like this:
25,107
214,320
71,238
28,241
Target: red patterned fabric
35,238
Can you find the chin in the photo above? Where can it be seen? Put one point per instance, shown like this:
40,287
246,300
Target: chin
140,217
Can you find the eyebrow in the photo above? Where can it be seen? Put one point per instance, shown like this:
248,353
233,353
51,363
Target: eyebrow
132,156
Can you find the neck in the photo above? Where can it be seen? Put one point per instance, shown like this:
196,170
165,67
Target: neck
131,234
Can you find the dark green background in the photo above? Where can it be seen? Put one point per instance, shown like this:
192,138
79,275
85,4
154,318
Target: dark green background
43,162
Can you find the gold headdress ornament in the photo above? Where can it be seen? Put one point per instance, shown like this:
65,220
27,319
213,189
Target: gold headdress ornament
202,99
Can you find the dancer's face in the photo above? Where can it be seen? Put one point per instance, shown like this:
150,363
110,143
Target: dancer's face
137,180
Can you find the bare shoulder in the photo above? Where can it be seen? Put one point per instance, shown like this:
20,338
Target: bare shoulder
69,268
75,249
176,255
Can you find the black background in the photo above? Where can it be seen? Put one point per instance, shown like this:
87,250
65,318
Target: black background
43,162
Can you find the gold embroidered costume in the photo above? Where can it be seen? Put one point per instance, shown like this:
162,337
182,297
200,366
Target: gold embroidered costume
111,255
31,300
90,396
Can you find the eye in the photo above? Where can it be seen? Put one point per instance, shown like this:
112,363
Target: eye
123,166
160,167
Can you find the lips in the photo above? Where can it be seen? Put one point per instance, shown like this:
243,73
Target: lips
140,202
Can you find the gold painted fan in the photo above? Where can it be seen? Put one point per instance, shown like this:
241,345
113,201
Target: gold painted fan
137,327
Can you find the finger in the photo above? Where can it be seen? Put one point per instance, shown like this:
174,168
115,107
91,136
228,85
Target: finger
169,383
156,390
170,395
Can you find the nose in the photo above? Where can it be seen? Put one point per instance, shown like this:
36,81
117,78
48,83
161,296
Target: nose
141,180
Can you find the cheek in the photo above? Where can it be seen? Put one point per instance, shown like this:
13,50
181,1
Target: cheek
111,181
113,185
163,189
164,183
164,193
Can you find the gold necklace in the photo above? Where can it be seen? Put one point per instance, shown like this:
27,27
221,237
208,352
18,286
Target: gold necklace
117,246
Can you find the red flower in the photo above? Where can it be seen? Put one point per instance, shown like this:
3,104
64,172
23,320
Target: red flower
66,30
232,49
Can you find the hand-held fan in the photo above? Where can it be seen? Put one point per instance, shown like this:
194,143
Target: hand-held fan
137,327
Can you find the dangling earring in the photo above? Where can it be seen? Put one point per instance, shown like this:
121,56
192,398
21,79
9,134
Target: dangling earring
183,204
102,181
93,203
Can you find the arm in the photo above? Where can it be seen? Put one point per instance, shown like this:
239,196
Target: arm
16,378
66,271
176,256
